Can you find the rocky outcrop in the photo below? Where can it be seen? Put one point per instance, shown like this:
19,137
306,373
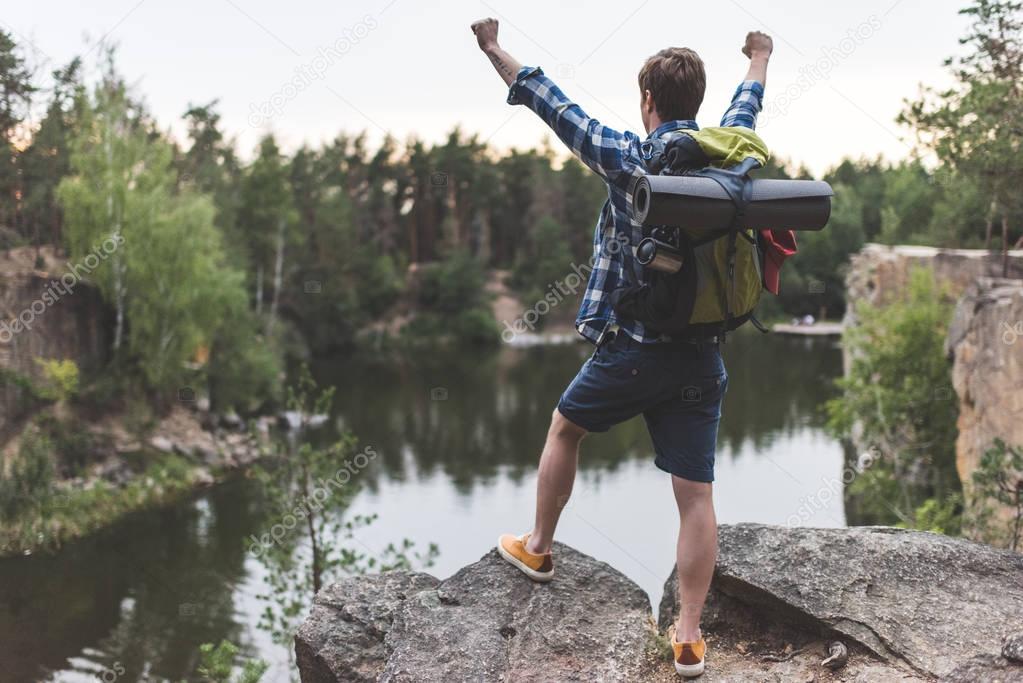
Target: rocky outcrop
343,638
37,320
907,605
879,274
488,622
922,602
985,342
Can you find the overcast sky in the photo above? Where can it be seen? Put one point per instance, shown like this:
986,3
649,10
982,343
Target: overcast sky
307,69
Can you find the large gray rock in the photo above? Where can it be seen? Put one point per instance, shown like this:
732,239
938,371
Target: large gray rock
488,622
985,669
343,638
920,600
909,606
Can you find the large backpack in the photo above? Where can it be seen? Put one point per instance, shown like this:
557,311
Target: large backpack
720,281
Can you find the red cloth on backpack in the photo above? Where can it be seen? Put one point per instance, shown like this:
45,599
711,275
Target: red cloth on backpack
778,246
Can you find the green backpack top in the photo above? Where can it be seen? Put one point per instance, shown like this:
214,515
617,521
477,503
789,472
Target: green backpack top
712,279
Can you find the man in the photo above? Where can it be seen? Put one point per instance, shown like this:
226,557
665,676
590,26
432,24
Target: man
676,384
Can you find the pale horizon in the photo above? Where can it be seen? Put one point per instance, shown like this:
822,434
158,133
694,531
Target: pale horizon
308,71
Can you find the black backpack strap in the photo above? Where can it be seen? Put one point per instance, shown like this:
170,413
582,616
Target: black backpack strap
652,152
736,183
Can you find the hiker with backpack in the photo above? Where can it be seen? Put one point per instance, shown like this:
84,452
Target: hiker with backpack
656,321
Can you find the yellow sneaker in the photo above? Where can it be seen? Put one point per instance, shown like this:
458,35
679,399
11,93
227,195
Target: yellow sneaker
537,567
689,657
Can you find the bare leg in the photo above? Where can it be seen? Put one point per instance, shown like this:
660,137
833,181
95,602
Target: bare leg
697,553
554,481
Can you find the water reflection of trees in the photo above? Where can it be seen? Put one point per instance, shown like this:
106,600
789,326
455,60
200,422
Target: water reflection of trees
473,415
143,594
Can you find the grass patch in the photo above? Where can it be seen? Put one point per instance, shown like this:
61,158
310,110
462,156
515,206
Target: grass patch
60,514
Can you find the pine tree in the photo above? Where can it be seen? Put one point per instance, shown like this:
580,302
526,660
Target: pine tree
48,158
16,90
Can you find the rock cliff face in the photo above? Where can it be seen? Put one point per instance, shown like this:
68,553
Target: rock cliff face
72,325
907,605
985,342
879,274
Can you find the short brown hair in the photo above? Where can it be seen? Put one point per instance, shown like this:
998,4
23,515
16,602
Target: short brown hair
677,80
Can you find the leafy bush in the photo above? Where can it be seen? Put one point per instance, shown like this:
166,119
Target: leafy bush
217,663
54,515
454,285
377,280
898,395
550,262
940,515
60,379
73,444
244,367
477,326
453,303
27,485
999,480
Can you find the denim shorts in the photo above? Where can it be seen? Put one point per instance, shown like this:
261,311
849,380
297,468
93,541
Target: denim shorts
678,388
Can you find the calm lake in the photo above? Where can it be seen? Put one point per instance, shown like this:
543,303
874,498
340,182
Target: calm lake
457,437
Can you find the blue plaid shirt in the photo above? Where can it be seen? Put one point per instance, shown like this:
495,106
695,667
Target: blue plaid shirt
616,158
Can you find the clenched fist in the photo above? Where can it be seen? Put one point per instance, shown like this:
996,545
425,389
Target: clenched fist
758,44
486,32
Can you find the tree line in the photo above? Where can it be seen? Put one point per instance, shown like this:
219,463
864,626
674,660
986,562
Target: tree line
226,259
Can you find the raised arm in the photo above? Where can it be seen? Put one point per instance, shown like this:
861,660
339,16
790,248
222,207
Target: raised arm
601,148
748,98
758,48
486,35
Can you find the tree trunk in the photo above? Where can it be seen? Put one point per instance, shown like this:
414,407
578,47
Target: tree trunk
278,277
990,226
259,290
1005,245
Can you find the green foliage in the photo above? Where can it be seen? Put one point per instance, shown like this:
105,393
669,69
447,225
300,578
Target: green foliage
16,91
476,326
548,262
60,379
244,368
378,283
898,392
155,253
453,285
25,488
973,127
453,303
217,664
68,513
308,542
71,442
998,481
940,515
266,221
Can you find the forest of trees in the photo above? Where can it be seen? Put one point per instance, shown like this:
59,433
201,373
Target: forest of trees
328,241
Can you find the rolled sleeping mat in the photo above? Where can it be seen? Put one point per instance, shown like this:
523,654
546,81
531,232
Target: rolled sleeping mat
698,202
